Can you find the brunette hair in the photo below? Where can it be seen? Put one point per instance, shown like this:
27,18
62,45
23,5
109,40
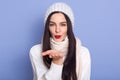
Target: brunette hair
69,65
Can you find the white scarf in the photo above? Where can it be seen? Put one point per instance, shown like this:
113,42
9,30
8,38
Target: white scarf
63,47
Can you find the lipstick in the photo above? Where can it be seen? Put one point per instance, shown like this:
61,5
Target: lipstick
57,36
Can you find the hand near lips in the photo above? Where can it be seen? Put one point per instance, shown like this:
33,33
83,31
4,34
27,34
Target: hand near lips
56,55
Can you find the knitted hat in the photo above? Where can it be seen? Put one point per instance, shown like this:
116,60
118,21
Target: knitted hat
61,7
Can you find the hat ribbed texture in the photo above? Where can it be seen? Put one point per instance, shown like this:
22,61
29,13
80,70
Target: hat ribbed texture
62,7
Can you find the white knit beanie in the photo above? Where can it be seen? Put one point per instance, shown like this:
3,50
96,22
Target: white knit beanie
61,7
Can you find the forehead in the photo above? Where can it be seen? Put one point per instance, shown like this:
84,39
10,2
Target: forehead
57,17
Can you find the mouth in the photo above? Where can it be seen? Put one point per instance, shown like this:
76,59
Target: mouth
57,36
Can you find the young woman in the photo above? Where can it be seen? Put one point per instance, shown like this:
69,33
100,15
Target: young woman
60,56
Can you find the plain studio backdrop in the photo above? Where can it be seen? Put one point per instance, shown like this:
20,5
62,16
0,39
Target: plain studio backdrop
97,24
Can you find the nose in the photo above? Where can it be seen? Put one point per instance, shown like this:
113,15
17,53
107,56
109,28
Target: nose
57,29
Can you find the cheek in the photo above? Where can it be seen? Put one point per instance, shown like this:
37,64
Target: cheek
65,31
51,31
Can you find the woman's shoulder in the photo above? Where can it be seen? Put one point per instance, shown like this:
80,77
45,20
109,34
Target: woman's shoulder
36,50
85,54
84,50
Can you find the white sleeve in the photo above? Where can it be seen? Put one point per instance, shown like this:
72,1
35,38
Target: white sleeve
37,64
40,71
86,64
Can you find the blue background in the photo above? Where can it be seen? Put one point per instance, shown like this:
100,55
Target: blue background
97,24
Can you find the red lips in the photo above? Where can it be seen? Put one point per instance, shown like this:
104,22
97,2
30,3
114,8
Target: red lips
57,36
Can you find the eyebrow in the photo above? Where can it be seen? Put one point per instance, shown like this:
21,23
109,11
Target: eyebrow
60,22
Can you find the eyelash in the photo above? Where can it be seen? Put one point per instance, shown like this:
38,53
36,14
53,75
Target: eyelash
63,24
51,24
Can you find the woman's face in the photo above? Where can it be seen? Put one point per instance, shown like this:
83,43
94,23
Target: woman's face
58,27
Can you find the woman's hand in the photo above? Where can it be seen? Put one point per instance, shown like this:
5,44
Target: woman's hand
56,55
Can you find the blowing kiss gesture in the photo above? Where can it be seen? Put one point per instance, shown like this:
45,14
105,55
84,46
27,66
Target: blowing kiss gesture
57,56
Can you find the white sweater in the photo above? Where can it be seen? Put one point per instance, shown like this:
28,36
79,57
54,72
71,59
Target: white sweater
41,72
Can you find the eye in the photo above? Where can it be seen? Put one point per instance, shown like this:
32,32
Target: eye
63,24
51,24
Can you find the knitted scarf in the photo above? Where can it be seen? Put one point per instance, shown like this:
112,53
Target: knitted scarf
63,47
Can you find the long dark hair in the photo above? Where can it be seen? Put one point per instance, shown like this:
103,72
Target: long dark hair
69,65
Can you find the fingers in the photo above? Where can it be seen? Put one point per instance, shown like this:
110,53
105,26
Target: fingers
46,52
53,54
56,56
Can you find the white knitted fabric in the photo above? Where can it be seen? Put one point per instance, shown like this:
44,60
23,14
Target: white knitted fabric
61,7
63,47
